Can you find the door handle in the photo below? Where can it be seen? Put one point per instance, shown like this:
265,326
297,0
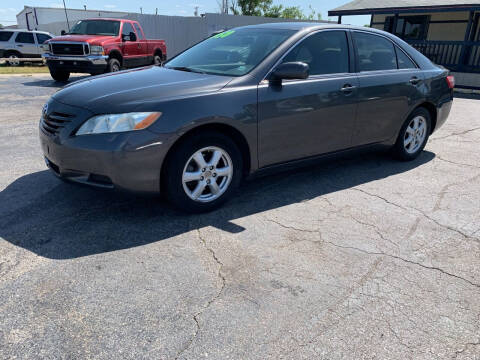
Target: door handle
347,89
139,46
19,45
414,80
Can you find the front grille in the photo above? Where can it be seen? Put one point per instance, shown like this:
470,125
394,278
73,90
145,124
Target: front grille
52,124
69,49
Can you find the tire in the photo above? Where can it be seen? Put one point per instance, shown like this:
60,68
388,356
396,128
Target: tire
180,163
113,65
59,75
413,135
13,58
157,60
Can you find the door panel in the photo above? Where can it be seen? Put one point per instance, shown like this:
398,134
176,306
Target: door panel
25,43
385,98
305,118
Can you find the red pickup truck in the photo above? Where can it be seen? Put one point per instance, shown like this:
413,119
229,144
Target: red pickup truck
96,46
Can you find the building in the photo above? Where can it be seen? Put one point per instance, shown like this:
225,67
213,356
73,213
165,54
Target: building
447,32
32,17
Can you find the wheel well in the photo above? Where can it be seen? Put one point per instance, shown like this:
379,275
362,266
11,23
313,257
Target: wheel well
158,52
13,52
116,55
433,113
227,130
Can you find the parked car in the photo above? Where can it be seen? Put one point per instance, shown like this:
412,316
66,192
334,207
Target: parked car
17,44
97,45
249,100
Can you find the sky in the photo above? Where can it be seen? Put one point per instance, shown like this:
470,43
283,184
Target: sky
9,9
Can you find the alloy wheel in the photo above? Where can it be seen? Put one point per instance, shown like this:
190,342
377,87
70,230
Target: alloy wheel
415,134
207,174
13,60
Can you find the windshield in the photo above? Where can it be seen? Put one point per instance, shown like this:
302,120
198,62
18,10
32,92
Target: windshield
233,53
96,27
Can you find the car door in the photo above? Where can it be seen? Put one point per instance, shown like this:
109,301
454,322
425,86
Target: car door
25,44
145,56
41,38
302,118
130,48
388,88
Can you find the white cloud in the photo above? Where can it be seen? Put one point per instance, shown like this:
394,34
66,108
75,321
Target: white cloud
109,6
8,10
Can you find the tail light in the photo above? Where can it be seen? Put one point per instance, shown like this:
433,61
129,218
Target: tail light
450,81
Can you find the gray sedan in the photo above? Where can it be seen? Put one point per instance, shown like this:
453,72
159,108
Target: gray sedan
249,100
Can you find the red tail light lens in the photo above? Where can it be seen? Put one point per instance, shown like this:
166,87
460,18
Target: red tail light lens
451,81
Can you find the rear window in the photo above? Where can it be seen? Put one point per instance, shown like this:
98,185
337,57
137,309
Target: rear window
5,35
374,52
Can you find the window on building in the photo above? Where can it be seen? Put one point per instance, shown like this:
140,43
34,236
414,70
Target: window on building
5,35
25,38
374,52
41,38
325,52
408,27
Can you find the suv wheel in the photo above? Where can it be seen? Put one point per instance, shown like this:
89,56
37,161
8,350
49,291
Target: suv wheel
413,135
113,65
59,75
203,172
13,59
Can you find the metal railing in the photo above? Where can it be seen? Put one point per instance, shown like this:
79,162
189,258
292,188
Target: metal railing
462,56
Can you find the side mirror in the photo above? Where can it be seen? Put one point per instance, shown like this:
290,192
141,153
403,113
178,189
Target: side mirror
290,71
133,37
63,32
125,37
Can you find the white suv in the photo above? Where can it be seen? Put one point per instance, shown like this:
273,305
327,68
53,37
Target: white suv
16,44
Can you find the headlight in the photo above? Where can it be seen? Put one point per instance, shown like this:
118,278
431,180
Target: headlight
112,123
96,50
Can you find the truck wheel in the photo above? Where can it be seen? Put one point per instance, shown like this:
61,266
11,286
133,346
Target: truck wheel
157,59
113,65
59,75
13,58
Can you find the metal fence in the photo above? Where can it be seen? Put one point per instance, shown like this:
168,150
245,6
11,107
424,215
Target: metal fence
180,32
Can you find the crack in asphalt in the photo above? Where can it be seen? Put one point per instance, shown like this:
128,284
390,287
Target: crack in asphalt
405,261
209,302
467,345
456,163
455,134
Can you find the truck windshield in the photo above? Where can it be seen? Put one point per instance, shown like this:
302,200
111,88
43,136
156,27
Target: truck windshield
96,27
233,53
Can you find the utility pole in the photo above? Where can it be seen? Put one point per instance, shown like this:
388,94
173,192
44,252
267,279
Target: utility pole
195,13
85,7
141,11
156,11
66,15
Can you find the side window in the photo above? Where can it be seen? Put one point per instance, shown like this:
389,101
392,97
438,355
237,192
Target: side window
404,61
374,52
139,31
127,29
25,38
5,35
41,38
326,52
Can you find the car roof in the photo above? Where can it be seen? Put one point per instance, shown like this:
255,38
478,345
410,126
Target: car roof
25,30
307,25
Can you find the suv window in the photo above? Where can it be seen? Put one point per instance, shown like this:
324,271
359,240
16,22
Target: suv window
325,52
374,52
404,61
127,29
41,38
139,31
25,38
5,35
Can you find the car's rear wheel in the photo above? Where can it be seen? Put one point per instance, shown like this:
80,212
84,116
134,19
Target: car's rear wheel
413,135
59,75
114,65
157,59
203,172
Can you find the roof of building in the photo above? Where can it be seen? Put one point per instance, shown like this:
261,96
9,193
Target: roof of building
378,6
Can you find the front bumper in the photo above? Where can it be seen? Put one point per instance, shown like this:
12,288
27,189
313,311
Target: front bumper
87,64
128,161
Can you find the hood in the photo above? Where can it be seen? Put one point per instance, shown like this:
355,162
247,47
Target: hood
126,91
82,38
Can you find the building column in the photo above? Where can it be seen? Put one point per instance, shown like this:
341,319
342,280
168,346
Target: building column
465,53
339,19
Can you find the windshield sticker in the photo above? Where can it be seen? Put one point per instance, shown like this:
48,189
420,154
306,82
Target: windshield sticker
224,34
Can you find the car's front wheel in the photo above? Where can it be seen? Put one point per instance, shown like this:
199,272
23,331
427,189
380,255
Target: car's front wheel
413,135
203,172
